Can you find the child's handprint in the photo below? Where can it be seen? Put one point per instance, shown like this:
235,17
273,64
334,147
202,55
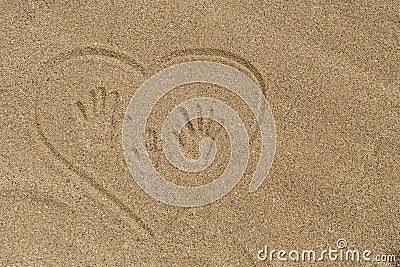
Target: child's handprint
98,115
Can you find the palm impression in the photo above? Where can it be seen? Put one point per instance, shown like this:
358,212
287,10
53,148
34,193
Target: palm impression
81,102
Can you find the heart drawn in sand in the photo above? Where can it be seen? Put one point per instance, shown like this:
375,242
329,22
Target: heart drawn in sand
86,97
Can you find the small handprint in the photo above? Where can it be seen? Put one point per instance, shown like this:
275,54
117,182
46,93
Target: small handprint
98,113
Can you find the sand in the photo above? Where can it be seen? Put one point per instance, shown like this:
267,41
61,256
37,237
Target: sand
329,73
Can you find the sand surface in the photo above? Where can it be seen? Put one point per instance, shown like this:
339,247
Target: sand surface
330,74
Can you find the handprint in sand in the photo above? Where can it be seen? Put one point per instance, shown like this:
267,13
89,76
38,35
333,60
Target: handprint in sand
97,114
